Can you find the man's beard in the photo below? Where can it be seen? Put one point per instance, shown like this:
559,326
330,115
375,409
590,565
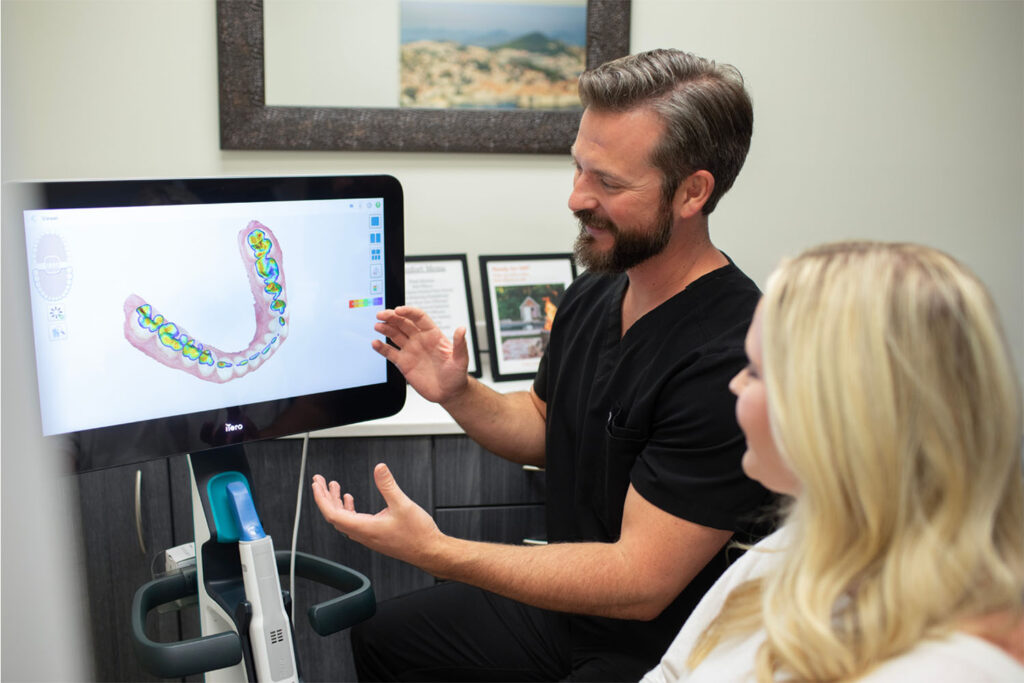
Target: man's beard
628,249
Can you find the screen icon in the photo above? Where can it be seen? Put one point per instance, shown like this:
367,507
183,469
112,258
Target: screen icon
58,332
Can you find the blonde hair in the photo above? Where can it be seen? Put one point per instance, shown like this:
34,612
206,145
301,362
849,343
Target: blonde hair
893,399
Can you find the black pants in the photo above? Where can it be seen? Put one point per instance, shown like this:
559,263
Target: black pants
454,632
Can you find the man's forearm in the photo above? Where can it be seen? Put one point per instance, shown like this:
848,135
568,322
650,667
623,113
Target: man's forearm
636,577
656,555
550,577
506,424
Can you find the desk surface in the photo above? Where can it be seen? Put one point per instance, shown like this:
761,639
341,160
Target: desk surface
418,417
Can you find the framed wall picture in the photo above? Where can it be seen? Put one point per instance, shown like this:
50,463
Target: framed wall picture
522,293
440,286
248,121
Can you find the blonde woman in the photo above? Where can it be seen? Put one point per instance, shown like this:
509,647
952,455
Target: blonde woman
881,397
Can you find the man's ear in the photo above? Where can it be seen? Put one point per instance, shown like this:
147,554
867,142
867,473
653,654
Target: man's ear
693,194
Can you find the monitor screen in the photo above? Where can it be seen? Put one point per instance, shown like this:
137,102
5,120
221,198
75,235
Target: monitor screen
172,316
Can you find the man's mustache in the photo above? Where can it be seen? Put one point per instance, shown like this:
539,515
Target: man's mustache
587,217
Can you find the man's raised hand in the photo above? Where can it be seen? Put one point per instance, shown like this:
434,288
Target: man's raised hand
432,364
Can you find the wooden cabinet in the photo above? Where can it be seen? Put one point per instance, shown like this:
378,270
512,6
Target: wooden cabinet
482,497
513,524
467,474
116,564
470,492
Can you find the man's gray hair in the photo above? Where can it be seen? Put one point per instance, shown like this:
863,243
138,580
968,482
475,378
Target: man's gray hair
707,112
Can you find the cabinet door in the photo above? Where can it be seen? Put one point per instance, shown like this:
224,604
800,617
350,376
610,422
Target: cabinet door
468,474
351,463
495,524
116,565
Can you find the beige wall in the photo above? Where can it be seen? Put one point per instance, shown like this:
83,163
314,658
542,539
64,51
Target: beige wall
895,120
891,120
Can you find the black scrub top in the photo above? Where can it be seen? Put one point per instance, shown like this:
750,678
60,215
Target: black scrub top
651,408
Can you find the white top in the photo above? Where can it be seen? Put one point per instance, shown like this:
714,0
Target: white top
957,658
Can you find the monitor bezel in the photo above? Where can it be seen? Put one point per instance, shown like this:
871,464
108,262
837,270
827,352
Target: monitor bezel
134,442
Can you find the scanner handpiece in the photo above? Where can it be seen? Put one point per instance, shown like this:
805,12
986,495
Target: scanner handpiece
269,630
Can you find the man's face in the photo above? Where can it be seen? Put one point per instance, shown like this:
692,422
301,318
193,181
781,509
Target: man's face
624,217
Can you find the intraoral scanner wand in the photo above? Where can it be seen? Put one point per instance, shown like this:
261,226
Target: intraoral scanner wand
269,629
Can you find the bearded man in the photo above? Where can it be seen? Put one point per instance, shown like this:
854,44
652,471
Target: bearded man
630,412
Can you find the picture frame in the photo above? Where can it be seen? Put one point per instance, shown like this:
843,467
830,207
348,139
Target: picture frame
248,123
439,285
521,296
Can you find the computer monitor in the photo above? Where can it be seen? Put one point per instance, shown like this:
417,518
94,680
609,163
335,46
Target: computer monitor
173,316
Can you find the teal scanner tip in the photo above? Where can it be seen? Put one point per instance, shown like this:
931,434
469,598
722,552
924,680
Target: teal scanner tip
245,511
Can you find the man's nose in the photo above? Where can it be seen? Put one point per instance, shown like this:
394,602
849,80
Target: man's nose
581,197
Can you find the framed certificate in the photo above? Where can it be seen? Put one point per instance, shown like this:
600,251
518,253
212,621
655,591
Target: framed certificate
440,286
522,294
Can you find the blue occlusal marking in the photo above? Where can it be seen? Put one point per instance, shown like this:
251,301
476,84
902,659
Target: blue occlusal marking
266,268
165,341
266,349
174,339
147,322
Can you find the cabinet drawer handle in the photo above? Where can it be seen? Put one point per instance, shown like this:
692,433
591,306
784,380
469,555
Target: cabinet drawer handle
138,510
534,541
532,468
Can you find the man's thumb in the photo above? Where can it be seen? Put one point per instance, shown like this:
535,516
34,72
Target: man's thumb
387,485
460,349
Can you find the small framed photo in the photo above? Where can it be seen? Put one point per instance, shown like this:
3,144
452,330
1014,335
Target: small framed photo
522,295
440,286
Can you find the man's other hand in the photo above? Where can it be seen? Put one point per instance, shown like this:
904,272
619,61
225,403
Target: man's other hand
432,364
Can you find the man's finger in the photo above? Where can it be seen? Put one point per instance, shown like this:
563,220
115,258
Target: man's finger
406,326
387,486
415,315
325,502
386,350
319,487
392,332
460,350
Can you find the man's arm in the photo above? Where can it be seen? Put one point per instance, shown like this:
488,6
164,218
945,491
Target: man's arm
636,577
511,425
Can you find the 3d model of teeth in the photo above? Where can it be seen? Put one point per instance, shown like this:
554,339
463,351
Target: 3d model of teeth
51,268
171,344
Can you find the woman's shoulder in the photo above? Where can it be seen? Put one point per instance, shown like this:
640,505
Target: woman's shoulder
957,657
